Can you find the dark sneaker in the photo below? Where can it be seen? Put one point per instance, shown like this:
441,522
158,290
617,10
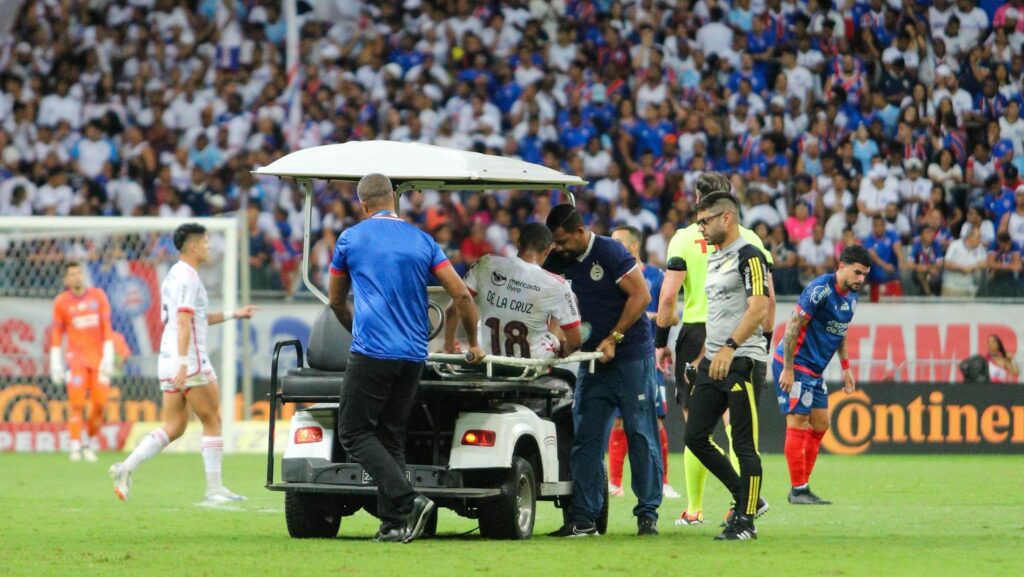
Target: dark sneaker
421,508
392,535
806,497
577,529
740,528
646,525
762,508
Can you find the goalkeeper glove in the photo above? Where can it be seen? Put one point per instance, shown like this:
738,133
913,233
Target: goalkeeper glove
56,366
106,368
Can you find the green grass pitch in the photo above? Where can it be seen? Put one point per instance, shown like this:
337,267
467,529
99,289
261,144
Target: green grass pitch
894,515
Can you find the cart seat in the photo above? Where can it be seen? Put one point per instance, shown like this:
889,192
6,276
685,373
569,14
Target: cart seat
327,354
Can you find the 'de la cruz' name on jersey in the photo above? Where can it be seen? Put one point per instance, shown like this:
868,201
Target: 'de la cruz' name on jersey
516,300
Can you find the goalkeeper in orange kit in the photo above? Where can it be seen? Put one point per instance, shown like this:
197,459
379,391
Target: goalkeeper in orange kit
83,314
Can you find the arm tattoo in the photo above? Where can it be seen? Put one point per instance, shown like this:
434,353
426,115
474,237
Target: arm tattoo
796,322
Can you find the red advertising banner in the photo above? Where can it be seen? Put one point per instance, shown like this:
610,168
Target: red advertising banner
54,437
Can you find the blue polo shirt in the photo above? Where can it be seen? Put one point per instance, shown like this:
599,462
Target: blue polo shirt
595,279
390,262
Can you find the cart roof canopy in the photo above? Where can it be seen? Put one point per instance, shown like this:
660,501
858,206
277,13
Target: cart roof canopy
408,161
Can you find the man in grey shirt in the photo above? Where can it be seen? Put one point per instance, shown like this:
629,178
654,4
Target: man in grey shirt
737,291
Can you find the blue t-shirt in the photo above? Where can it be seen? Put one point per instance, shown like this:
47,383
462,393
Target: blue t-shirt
997,206
653,276
884,248
830,311
920,254
595,281
390,262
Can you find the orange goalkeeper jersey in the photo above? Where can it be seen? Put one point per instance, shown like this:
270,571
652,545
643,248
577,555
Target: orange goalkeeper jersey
86,320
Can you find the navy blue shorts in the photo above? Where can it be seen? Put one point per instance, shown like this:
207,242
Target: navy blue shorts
807,393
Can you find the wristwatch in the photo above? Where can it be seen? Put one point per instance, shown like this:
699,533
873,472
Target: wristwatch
618,336
731,343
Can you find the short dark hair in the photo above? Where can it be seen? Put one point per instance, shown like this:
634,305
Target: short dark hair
565,217
709,201
855,254
186,231
70,265
534,236
634,232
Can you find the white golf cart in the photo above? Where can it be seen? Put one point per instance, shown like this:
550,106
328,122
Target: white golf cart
486,441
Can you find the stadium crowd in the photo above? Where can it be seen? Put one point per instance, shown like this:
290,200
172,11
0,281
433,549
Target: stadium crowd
894,124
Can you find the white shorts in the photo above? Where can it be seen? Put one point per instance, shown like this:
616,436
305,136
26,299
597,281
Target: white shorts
197,376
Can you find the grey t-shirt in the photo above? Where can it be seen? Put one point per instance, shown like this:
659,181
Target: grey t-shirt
735,272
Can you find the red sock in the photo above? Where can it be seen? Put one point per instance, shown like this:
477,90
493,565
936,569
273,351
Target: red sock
616,455
664,454
796,439
811,445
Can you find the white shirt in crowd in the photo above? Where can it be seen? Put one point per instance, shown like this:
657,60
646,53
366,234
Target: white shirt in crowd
765,213
814,253
91,155
972,25
126,195
988,232
61,198
876,197
596,165
608,190
1014,131
959,255
714,38
644,220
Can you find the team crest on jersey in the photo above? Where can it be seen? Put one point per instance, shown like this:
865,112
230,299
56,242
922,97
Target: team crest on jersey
498,278
807,398
845,307
596,272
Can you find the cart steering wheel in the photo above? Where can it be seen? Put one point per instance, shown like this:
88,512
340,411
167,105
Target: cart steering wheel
435,328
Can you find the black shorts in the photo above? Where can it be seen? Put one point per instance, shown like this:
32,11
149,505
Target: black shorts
690,342
689,346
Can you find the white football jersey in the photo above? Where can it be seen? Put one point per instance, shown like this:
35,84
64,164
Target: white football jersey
182,291
516,299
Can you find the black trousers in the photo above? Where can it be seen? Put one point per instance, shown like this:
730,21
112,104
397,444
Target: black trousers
710,399
376,400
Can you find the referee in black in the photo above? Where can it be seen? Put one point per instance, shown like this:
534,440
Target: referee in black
737,291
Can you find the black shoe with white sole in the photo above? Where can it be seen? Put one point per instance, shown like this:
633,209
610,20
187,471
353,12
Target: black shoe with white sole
577,529
740,528
762,508
392,535
421,508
